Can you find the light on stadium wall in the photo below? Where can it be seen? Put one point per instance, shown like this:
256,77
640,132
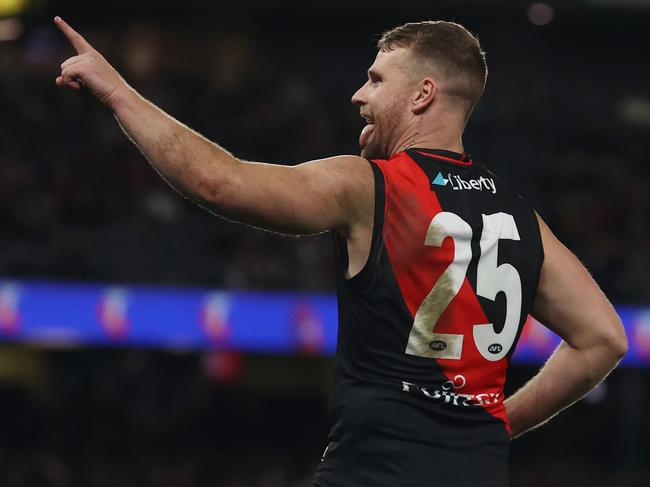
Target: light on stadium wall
541,13
11,29
9,8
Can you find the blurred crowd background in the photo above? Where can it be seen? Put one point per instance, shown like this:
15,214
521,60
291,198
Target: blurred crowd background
565,119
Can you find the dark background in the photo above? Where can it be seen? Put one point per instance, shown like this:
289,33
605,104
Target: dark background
565,118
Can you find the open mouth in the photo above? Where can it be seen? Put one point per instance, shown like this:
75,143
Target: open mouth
366,132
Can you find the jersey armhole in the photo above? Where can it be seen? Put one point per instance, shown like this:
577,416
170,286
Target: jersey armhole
538,240
538,236
362,277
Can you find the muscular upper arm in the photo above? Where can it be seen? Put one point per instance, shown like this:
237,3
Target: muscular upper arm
326,194
569,301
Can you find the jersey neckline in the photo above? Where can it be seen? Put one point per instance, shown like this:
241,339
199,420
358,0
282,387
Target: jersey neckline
463,159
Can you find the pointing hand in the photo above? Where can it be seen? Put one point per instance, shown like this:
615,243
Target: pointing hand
89,69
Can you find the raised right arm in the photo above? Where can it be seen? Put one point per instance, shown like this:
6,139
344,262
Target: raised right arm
326,194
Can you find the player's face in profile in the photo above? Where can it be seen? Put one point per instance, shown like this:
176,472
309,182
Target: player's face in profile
383,103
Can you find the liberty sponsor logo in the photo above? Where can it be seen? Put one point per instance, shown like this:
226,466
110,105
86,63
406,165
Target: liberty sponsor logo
440,180
447,393
457,183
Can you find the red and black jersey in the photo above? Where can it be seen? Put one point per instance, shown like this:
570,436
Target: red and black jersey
427,328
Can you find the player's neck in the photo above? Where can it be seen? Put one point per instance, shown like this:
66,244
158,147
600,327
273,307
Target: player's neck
452,143
431,136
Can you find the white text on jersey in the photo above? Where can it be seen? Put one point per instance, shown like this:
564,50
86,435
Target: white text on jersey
459,184
480,184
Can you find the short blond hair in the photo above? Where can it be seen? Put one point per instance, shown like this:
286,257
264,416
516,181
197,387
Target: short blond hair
447,46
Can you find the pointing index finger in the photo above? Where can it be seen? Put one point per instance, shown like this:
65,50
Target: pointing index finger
76,39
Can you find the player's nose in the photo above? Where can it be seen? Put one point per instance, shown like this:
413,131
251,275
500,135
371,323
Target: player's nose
359,97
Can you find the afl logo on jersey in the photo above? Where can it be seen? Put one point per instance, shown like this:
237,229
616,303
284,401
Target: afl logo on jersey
437,345
495,348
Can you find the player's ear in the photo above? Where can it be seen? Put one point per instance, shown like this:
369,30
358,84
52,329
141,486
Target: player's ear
425,94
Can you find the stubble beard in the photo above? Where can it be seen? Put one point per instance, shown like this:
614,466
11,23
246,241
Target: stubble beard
375,147
386,126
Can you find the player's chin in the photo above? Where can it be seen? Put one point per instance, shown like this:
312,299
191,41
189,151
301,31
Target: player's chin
373,151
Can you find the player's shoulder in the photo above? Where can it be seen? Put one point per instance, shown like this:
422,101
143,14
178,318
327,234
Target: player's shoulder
343,171
348,178
394,161
505,187
342,166
343,160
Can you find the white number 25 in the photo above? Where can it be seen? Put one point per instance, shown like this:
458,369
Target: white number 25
491,279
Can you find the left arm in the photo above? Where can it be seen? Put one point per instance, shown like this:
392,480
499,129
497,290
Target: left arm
569,302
